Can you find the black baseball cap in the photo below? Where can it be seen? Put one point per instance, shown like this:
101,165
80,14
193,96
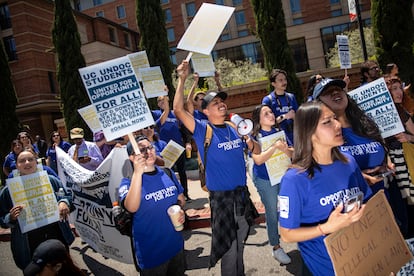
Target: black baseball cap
130,148
210,96
324,84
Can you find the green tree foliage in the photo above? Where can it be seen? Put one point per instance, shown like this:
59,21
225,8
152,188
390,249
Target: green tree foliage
393,29
271,29
9,122
151,24
355,48
67,44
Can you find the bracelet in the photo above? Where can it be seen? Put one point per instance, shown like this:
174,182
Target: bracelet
320,230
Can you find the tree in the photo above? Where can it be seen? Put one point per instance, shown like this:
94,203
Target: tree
9,122
151,23
67,44
271,29
393,29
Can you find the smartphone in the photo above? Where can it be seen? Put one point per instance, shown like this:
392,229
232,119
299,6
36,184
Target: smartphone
353,201
383,174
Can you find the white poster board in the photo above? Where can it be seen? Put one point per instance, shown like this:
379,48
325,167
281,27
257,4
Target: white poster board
375,99
153,82
139,60
114,90
88,114
35,193
352,10
203,64
171,153
205,28
278,163
343,51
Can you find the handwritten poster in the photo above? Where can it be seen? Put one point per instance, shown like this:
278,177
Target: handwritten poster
153,82
203,65
139,60
171,153
278,163
88,114
35,193
114,90
375,99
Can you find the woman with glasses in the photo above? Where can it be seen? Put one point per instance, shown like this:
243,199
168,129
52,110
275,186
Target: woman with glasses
24,244
55,141
27,141
156,142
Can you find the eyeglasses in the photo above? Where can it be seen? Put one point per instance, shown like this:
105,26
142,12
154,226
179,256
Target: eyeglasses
24,137
55,135
24,160
150,127
376,68
145,149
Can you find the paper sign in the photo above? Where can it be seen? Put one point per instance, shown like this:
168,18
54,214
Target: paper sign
343,51
371,246
352,10
139,60
278,163
203,65
35,193
153,82
88,114
114,90
375,99
171,153
205,28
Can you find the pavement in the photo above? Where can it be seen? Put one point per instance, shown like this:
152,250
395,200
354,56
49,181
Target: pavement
197,234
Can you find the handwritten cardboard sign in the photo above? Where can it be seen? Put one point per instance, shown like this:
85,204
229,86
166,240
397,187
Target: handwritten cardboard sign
203,32
375,99
139,60
371,246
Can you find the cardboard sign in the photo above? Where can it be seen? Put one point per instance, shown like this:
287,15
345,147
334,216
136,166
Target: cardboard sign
35,193
114,90
343,51
88,114
371,246
203,32
375,99
203,65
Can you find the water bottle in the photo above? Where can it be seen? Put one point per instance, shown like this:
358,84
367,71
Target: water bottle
116,209
60,193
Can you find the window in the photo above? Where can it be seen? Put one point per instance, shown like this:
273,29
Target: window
220,2
97,2
120,11
243,33
112,35
124,24
127,40
168,16
173,57
299,52
237,2
164,2
225,37
240,18
170,35
5,20
191,9
297,21
336,13
10,47
295,6
250,51
334,1
99,14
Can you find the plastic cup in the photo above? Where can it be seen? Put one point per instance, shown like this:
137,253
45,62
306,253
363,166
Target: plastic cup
174,212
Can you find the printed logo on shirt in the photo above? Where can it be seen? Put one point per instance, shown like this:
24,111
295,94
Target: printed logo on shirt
283,206
338,197
362,149
161,194
230,145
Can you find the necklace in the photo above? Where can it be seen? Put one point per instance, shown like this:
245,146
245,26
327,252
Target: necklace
228,132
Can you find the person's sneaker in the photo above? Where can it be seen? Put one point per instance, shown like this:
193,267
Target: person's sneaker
280,255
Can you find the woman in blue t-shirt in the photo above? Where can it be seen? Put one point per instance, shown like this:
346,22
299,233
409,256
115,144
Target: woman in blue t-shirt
313,189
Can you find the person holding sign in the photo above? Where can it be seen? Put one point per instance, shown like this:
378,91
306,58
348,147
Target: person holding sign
86,153
159,248
313,190
24,244
264,125
231,208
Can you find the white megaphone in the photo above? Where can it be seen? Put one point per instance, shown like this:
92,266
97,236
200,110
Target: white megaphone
243,126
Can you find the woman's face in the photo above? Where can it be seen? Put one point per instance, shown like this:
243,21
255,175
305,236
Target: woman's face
396,92
267,118
148,131
26,163
148,151
56,137
328,132
335,98
24,138
17,148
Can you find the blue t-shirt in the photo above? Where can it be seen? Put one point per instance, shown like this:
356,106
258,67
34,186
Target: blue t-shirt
199,115
170,130
225,165
308,202
159,146
10,161
154,236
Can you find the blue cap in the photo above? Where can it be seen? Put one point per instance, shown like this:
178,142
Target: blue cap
325,83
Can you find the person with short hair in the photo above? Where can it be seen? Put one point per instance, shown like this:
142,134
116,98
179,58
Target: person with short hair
86,153
55,141
370,71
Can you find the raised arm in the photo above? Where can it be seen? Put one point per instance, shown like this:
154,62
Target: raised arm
183,115
190,102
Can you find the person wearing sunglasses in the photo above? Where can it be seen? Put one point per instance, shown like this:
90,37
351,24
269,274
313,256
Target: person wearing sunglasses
55,141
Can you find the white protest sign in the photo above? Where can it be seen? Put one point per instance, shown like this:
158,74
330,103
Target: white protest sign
114,90
153,82
376,101
88,114
171,153
35,193
205,28
203,64
343,51
278,163
352,10
139,60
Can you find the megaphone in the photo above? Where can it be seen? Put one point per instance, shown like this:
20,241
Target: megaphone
243,126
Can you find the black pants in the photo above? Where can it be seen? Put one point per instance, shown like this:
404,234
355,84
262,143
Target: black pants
180,168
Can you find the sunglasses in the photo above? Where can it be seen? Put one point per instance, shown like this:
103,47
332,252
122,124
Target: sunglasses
55,135
146,149
150,127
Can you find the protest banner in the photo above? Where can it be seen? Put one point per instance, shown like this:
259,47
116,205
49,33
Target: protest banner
88,114
203,32
171,153
139,60
153,82
343,51
376,101
203,64
278,163
114,90
371,246
94,192
35,193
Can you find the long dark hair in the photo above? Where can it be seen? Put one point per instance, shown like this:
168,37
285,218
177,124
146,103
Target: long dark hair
256,118
306,121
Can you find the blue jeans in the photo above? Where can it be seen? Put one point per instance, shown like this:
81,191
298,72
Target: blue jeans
268,195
